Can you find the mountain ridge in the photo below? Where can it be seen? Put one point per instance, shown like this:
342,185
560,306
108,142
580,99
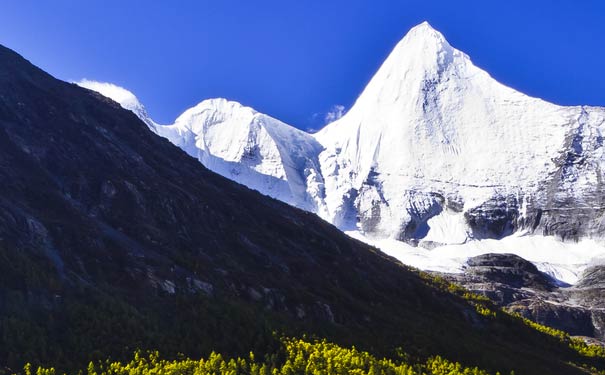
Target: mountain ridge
433,153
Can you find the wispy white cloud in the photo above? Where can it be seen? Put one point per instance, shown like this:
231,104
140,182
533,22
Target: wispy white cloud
320,119
336,112
119,94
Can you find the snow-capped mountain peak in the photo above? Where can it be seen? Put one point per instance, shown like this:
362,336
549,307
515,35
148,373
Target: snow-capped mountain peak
242,144
216,105
423,53
425,41
252,148
433,152
433,143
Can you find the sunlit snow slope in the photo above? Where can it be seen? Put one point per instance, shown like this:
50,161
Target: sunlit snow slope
242,144
434,152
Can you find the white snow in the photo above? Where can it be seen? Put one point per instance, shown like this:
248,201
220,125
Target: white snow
253,149
564,261
431,121
429,126
447,227
242,144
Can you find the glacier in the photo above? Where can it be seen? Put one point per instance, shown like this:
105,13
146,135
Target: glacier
435,162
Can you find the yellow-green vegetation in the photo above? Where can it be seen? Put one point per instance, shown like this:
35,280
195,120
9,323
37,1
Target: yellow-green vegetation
90,325
485,311
482,304
485,307
577,344
588,350
298,357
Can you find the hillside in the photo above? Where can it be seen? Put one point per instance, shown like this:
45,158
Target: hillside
113,239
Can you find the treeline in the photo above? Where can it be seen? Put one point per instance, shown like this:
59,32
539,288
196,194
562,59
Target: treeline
297,356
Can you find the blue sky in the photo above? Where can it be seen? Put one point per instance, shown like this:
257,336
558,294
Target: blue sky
297,59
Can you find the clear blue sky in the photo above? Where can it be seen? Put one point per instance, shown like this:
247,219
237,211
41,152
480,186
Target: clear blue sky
296,59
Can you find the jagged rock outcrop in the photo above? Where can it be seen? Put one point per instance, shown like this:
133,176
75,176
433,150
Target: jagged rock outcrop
518,286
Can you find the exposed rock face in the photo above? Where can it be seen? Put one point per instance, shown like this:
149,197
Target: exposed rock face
496,218
518,286
593,278
509,270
